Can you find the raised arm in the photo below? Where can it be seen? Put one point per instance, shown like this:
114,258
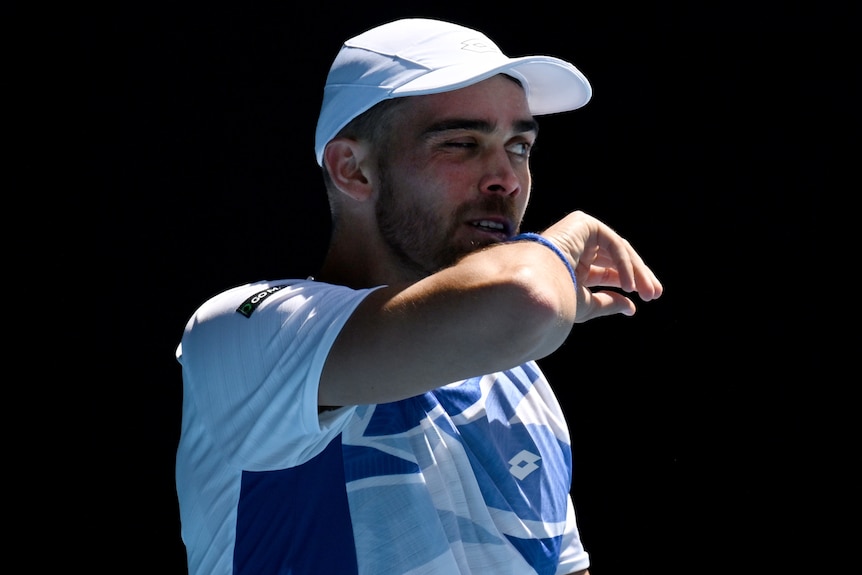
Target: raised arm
494,309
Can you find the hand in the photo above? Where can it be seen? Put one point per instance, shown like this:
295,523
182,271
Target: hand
602,258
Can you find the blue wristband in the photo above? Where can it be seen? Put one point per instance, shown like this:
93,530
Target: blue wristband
551,246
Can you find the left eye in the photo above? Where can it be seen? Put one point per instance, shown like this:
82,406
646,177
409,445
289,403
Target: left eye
521,149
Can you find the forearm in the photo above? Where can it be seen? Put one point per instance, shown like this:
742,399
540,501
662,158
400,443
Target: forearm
493,310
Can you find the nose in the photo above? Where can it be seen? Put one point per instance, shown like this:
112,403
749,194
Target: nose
501,176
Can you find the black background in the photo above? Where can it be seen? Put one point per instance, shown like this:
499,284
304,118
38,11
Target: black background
701,145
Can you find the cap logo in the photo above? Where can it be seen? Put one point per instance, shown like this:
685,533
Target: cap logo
478,45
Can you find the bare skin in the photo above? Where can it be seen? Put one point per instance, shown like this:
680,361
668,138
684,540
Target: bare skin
459,162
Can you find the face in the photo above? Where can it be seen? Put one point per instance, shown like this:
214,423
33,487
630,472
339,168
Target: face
455,176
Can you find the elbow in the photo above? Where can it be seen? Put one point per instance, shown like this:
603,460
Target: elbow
542,314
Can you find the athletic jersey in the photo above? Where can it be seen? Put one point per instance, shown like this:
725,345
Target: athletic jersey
470,478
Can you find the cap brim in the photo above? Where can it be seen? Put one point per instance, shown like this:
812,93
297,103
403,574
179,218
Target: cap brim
552,85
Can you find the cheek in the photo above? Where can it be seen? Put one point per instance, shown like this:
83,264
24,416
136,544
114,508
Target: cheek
439,181
526,181
526,177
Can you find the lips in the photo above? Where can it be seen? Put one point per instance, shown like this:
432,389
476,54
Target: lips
498,228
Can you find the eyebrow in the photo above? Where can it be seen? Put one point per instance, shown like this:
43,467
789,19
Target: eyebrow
521,126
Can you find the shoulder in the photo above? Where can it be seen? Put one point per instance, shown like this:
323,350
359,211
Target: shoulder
276,303
244,300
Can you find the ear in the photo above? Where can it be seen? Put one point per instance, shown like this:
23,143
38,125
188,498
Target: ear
345,160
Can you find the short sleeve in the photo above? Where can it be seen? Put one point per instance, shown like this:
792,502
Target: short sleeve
251,362
573,557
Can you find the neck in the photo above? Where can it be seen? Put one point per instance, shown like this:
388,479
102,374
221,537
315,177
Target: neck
361,260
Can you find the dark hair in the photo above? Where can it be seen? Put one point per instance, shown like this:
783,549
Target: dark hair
373,125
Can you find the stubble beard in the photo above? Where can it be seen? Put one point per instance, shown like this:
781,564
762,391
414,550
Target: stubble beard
421,241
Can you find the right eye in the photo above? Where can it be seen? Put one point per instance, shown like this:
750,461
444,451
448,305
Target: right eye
460,144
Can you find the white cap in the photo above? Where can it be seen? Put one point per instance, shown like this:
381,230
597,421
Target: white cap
417,56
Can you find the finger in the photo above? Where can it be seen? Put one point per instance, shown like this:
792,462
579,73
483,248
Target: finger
603,303
632,274
648,285
597,276
616,252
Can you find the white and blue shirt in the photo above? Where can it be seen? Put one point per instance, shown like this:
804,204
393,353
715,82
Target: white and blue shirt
470,478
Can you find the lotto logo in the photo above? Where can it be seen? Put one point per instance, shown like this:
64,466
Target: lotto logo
523,464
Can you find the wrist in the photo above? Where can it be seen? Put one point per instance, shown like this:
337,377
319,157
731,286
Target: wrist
540,239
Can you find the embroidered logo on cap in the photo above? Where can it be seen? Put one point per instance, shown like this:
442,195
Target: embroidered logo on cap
249,305
478,45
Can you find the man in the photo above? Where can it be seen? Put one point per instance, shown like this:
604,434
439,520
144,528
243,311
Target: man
388,416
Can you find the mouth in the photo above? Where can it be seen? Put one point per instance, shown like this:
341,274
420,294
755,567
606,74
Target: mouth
500,229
